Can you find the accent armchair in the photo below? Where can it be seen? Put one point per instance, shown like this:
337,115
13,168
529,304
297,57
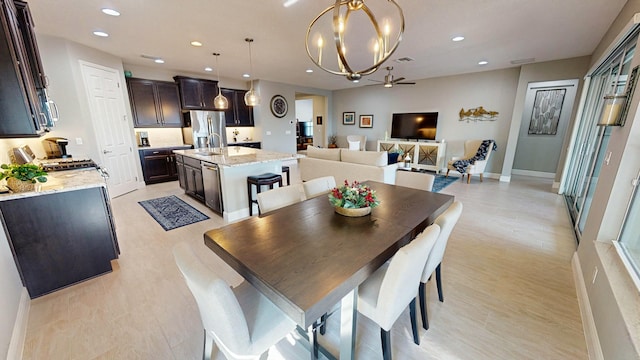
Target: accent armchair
473,162
357,142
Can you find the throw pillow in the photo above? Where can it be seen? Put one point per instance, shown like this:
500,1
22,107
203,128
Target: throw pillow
392,158
354,145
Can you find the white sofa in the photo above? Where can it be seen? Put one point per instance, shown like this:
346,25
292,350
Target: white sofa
345,164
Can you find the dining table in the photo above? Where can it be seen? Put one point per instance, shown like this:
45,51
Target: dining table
306,258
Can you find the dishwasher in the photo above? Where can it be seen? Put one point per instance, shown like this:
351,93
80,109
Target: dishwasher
212,188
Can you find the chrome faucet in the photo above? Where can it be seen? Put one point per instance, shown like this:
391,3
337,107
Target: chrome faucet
211,137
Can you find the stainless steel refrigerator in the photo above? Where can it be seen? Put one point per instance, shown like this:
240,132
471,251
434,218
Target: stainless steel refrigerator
201,125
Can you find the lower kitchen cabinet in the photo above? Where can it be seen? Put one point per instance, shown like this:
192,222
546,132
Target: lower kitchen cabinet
193,184
159,165
61,238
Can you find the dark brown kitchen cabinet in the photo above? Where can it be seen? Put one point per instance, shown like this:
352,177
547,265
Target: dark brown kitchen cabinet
196,94
193,184
61,238
238,113
181,171
159,164
22,109
154,103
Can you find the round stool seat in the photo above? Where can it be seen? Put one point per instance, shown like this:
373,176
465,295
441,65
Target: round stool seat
260,180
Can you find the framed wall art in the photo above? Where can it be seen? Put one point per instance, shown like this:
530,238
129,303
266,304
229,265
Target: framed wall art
546,112
366,121
348,118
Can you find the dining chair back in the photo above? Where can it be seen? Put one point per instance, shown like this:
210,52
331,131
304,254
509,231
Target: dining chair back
280,197
415,180
241,321
388,291
447,221
319,186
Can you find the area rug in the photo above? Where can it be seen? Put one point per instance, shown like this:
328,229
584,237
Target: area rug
442,182
171,212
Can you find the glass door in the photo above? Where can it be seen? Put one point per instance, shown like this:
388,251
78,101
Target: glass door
589,150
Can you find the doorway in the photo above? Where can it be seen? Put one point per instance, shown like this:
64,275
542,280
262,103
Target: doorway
313,121
112,131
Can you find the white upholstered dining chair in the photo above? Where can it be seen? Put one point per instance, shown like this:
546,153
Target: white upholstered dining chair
415,180
280,197
388,291
447,220
318,186
240,321
477,168
357,142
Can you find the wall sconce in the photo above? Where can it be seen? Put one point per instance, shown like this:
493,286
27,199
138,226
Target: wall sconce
611,110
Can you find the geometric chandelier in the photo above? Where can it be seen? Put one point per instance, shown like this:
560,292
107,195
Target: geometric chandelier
362,42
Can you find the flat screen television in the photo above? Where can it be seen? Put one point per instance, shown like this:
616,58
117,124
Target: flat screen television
415,126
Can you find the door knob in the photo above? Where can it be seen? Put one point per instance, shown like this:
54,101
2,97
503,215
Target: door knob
106,151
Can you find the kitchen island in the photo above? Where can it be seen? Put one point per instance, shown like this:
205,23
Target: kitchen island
62,233
223,175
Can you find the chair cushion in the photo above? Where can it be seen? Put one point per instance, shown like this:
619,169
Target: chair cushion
327,154
375,158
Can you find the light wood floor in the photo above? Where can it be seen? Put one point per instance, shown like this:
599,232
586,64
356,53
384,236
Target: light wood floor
508,288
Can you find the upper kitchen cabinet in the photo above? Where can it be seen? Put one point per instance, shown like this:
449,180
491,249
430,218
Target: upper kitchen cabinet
154,103
196,94
23,103
238,113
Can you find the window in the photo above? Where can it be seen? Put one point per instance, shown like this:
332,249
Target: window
628,244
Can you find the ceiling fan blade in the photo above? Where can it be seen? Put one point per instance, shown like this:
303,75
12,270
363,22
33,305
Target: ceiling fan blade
405,83
398,80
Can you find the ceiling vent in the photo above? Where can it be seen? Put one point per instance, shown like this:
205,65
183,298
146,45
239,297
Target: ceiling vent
522,61
405,59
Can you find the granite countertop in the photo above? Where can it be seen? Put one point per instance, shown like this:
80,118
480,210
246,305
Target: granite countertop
58,181
236,155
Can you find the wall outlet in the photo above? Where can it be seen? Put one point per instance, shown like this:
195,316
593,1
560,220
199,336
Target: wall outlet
595,274
268,132
288,132
78,141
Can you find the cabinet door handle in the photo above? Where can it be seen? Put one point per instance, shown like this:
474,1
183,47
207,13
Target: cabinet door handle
156,152
168,159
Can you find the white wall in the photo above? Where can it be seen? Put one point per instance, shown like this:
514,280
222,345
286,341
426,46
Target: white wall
494,90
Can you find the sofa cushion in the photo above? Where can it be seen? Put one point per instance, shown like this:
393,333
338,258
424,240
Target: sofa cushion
375,158
327,154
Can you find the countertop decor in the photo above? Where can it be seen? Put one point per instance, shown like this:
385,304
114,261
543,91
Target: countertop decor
353,199
21,178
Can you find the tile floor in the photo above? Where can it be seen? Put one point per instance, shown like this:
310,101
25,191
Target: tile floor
508,288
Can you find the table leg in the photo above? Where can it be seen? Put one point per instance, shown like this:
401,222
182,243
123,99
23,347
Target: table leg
348,310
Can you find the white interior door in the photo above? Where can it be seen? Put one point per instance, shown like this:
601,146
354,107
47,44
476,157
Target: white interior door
111,127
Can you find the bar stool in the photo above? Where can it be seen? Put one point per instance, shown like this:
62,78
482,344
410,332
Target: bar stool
259,180
285,169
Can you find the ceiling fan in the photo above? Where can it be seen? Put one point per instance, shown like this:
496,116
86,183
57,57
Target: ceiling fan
389,81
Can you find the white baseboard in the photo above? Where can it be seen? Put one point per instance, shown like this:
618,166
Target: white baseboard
588,323
556,185
19,335
504,178
531,173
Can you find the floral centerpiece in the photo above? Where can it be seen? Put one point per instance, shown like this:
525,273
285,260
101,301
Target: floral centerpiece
353,199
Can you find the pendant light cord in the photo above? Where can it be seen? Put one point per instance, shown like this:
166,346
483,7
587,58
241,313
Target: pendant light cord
249,40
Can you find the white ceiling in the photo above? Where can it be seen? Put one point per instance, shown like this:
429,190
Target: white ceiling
498,31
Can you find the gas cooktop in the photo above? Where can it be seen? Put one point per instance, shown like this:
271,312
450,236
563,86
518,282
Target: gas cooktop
66,164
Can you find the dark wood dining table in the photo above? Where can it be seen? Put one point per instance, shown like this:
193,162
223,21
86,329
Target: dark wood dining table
306,258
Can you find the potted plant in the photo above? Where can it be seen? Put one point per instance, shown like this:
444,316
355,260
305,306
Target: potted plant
332,141
23,177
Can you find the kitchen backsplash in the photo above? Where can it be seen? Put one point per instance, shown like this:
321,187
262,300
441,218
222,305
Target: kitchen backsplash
244,134
163,137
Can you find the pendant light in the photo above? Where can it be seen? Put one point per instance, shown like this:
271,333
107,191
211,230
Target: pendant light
219,102
251,98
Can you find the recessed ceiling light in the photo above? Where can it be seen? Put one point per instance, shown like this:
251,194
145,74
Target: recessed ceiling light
196,43
483,62
111,12
309,71
457,38
208,69
100,33
246,75
158,61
